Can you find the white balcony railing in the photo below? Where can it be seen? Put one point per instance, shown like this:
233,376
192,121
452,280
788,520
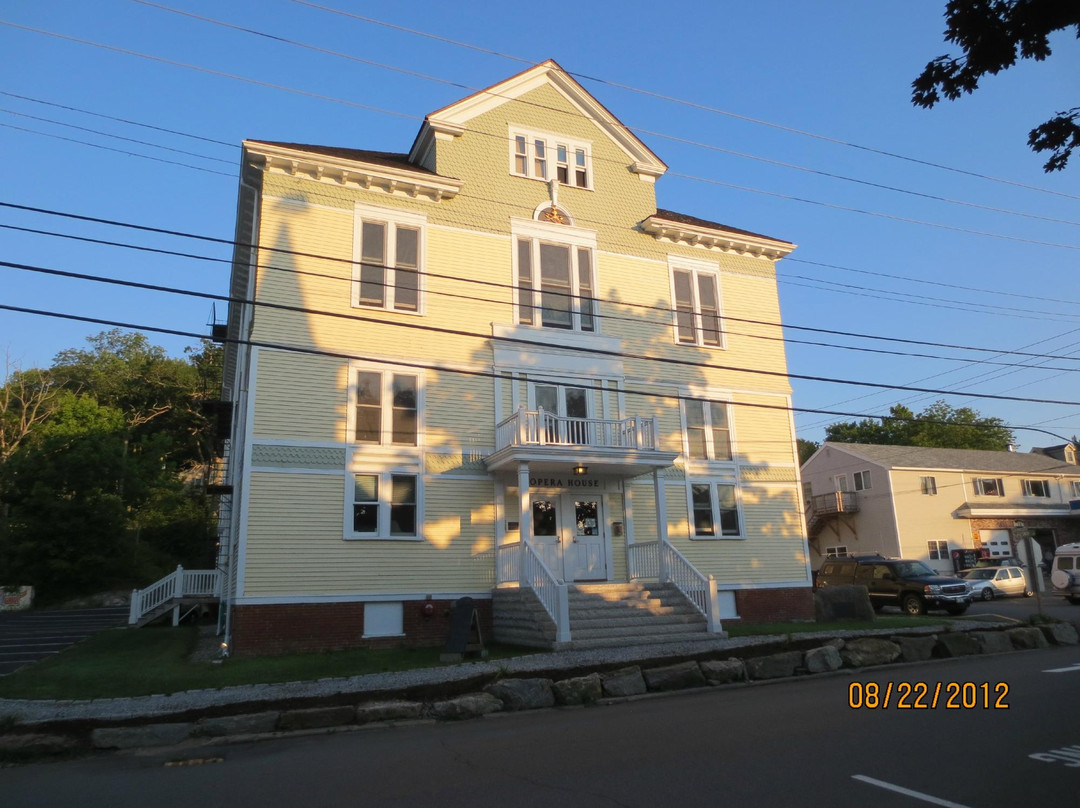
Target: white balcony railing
543,428
519,562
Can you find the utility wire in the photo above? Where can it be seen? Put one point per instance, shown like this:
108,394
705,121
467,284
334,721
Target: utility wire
684,102
323,97
412,326
638,130
493,284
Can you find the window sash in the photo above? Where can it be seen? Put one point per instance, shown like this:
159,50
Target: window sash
714,504
862,480
708,434
385,505
989,487
533,156
389,273
386,408
1036,488
561,276
938,550
697,307
929,485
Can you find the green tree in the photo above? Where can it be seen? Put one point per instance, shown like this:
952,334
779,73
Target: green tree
939,426
806,449
993,34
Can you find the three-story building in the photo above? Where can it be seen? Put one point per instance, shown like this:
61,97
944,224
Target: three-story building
492,363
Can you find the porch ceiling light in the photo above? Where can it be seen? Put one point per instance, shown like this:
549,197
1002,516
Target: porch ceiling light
580,470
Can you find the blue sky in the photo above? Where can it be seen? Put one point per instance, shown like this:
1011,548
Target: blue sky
837,68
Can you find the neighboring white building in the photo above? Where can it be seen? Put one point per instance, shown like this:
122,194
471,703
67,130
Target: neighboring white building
913,502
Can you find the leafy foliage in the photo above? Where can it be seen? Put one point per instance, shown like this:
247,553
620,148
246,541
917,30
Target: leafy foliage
939,426
102,488
993,35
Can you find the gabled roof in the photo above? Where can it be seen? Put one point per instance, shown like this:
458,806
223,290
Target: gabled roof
453,120
918,457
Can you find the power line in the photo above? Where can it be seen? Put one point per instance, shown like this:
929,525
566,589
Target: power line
323,97
442,369
527,342
508,286
638,130
686,103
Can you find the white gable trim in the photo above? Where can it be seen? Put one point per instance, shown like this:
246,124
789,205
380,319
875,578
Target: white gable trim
452,121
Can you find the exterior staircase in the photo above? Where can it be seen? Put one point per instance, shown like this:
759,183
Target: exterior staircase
190,588
606,615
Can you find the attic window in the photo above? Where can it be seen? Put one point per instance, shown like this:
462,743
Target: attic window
544,156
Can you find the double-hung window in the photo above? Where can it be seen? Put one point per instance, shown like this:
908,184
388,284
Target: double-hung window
708,431
385,407
696,294
385,504
988,487
387,257
1036,488
1075,489
545,156
714,510
862,480
938,550
556,285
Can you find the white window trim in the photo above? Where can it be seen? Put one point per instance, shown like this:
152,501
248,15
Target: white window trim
699,398
384,473
934,546
839,551
1075,487
1026,488
977,485
589,386
862,480
562,235
712,482
385,443
696,267
551,141
391,217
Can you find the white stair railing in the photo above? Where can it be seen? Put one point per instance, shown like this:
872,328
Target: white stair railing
518,561
178,584
643,560
699,589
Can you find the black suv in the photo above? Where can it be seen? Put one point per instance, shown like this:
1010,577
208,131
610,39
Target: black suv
911,585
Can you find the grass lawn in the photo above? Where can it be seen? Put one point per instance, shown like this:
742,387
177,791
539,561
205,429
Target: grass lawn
129,662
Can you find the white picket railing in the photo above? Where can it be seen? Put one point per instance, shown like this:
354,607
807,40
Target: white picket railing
179,584
643,560
699,589
543,428
518,561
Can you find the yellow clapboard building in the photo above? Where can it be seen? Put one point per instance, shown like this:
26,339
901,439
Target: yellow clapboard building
493,368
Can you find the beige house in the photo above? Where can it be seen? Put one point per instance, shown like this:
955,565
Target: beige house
492,367
912,502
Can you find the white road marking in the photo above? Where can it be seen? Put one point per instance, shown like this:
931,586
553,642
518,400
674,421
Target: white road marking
907,792
1071,669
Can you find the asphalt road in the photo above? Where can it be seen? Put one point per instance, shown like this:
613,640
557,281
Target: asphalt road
26,637
796,742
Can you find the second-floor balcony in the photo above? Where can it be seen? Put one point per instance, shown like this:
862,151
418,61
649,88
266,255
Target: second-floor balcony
546,439
822,508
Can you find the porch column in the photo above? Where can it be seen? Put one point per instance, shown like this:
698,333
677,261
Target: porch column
661,524
524,514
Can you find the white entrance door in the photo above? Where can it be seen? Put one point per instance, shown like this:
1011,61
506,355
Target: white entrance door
546,538
587,552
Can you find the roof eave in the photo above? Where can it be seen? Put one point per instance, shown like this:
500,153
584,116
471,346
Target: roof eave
716,238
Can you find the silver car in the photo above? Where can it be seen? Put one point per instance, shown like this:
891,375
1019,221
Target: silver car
988,583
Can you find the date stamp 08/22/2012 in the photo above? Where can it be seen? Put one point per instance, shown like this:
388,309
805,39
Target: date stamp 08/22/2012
928,695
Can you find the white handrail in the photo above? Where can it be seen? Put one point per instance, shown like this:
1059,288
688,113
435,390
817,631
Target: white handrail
643,560
699,589
178,584
511,560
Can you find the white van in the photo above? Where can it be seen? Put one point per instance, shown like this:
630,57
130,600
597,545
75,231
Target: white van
1065,572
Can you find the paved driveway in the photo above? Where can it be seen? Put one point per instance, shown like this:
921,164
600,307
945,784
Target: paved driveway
26,637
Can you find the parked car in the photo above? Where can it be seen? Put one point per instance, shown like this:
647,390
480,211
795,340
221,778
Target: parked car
1065,572
1005,561
988,583
911,585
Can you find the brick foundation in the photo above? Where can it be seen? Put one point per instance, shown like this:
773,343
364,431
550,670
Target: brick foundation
774,605
271,630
